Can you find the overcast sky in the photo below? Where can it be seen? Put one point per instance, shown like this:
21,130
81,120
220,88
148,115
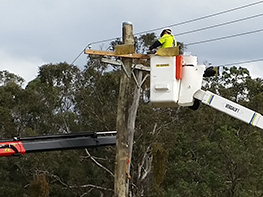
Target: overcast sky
34,33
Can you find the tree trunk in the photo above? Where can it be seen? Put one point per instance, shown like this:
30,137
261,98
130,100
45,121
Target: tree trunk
131,121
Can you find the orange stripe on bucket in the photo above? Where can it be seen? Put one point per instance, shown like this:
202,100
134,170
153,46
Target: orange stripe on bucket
179,67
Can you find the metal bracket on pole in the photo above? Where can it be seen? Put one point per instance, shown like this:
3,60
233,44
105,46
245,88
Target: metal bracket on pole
116,63
145,77
137,66
137,83
141,68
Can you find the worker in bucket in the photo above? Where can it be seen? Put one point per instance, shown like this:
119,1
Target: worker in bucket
166,40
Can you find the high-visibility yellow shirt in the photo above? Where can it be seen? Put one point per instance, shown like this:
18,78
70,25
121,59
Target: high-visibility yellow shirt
167,40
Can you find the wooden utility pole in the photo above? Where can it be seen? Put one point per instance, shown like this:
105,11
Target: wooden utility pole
128,103
124,99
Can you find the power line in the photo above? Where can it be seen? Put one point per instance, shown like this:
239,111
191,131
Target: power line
243,62
224,37
219,25
203,17
106,40
193,31
177,24
77,57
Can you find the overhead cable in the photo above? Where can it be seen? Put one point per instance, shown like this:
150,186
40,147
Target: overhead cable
219,25
224,37
243,62
106,40
176,24
193,20
203,17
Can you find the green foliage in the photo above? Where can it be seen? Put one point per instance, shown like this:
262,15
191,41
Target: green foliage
39,186
159,163
177,152
143,43
51,104
96,99
7,77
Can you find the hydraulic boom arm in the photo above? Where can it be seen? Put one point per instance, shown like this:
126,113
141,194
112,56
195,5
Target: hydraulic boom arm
233,109
20,146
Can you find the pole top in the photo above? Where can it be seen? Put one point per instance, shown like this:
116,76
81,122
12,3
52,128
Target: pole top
126,23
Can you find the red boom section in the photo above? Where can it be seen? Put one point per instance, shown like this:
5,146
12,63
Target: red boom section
11,148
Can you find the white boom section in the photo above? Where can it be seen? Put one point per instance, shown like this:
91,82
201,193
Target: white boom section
231,108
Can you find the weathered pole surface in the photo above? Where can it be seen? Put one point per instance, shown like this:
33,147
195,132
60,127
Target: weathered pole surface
125,96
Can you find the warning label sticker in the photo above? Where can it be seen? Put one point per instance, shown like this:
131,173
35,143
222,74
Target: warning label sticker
162,65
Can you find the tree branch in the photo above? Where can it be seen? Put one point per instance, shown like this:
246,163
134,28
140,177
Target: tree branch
97,163
92,186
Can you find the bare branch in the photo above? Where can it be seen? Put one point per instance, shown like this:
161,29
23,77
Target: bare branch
86,193
99,164
57,178
92,186
145,168
154,129
97,158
